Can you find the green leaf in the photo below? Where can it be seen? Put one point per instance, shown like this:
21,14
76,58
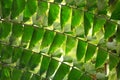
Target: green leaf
42,13
57,42
47,40
6,7
90,52
17,31
101,57
76,17
53,13
5,73
110,29
116,12
44,64
66,18
36,39
26,55
98,24
6,29
34,60
118,34
30,9
52,68
85,77
70,44
74,74
16,54
61,72
26,75
6,53
16,74
27,35
17,8
102,6
81,49
113,61
88,22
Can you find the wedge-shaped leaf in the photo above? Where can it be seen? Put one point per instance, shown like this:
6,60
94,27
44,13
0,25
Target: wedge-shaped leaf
101,57
36,39
81,49
16,74
42,13
118,34
26,55
6,29
88,22
76,18
16,54
90,52
34,61
26,75
17,31
35,77
98,24
116,12
52,68
110,29
57,42
70,44
66,13
102,6
47,40
27,35
114,60
6,7
5,73
74,74
53,13
30,9
85,77
44,64
61,72
17,8
6,53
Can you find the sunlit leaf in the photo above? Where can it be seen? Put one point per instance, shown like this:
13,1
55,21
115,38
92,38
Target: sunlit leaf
88,22
52,68
6,8
81,49
17,8
113,61
110,29
61,72
101,57
74,74
30,9
53,13
116,12
90,52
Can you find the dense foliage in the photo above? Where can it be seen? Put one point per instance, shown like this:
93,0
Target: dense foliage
59,40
